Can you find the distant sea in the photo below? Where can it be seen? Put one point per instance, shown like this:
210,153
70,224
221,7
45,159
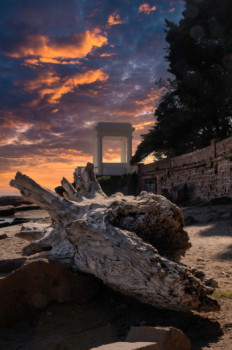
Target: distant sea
4,191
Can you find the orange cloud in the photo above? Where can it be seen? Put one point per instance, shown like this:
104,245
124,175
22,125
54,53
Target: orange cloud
79,46
106,54
171,10
12,123
151,98
145,8
71,83
31,62
47,78
52,85
142,126
114,19
145,106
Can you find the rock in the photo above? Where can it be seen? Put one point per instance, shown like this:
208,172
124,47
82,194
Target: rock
12,221
26,207
3,236
9,265
32,231
129,346
13,200
7,210
33,286
168,338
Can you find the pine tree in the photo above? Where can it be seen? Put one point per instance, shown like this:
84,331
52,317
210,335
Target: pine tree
197,105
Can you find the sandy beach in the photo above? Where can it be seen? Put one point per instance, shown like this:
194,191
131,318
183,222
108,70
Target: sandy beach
109,315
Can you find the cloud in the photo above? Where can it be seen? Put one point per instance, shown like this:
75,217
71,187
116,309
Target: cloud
44,79
68,66
73,82
54,51
141,126
52,87
145,8
107,54
114,19
172,9
152,97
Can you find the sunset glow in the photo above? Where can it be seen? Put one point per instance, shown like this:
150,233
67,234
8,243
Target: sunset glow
76,46
69,65
114,19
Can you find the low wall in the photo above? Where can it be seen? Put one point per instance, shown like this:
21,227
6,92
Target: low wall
204,174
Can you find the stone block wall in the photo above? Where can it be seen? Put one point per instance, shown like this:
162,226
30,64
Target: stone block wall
203,174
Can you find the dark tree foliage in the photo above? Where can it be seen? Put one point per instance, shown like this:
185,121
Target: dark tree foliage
197,105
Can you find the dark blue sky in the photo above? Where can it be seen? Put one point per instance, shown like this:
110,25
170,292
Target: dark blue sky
67,64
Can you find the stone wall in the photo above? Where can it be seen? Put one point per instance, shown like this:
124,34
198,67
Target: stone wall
204,174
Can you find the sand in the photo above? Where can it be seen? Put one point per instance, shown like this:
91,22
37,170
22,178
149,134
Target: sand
108,317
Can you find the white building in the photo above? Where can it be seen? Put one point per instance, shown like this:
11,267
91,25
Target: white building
113,131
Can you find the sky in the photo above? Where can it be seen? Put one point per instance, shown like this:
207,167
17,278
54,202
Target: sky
66,65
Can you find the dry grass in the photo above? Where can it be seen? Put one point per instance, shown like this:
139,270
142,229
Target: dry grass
222,294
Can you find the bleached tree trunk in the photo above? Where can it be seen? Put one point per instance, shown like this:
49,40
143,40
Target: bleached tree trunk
125,241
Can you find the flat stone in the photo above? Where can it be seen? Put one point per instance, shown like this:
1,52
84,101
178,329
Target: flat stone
129,346
168,338
32,231
7,210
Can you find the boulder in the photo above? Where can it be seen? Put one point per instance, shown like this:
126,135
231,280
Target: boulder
7,210
5,222
3,236
9,265
13,200
128,346
33,286
168,338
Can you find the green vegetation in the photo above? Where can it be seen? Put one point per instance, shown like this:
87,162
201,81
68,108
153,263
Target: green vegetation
197,104
222,294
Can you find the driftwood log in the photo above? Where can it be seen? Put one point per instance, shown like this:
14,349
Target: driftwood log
128,242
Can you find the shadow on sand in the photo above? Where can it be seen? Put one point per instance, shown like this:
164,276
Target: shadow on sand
226,255
219,228
106,318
